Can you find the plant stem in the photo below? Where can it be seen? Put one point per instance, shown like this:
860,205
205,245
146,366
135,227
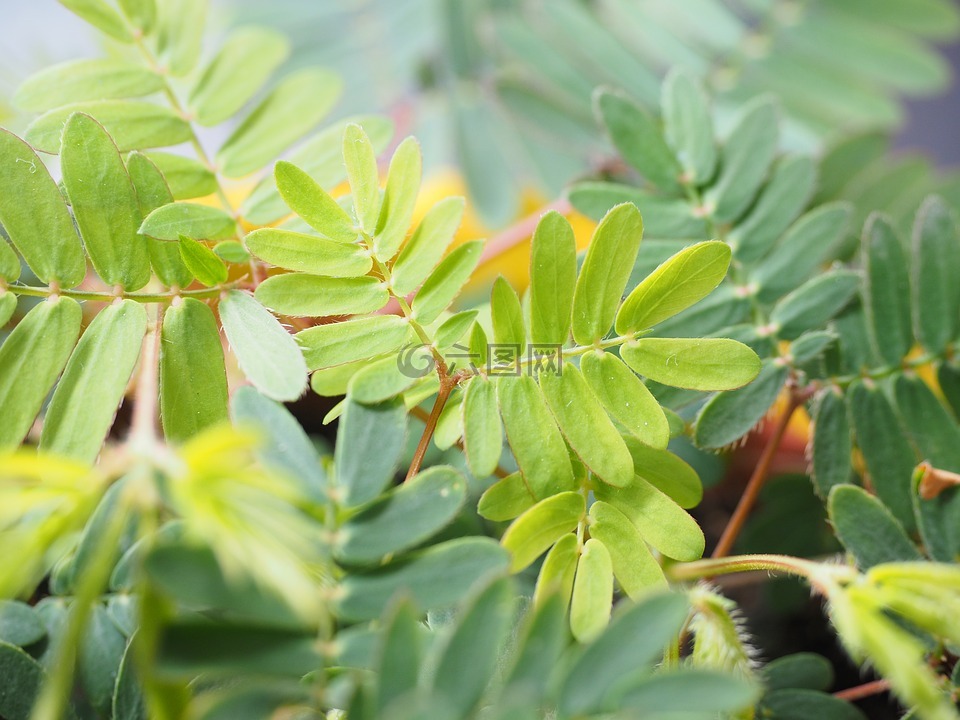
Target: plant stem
701,569
96,296
423,416
863,691
446,387
757,480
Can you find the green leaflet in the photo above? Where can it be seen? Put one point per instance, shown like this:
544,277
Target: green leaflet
664,218
308,253
482,431
661,522
435,578
471,654
402,518
180,33
153,192
639,140
542,639
683,280
386,378
592,592
700,364
23,677
507,317
745,159
398,657
128,701
585,425
298,103
427,244
626,398
243,65
779,203
553,277
83,80
106,211
832,462
538,528
399,198
200,222
633,565
231,251
202,262
186,177
103,17
141,13
810,241
35,217
506,499
801,703
936,265
9,263
20,624
688,127
315,296
361,477
666,472
360,159
701,693
31,359
811,345
453,329
728,416
605,271
86,399
133,125
886,452
443,285
311,202
812,304
193,380
98,662
265,351
799,670
321,158
867,529
558,571
534,438
886,290
343,342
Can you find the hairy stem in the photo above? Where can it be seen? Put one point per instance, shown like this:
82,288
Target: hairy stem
701,569
446,387
757,480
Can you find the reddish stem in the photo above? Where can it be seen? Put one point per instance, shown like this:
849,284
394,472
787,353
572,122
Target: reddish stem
446,387
863,691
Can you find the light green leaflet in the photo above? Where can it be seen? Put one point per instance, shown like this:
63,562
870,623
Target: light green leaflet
35,216
402,518
180,33
294,108
683,280
688,127
8,305
553,277
534,438
86,399
193,379
204,264
507,316
385,379
83,80
344,342
141,13
661,522
311,202
586,426
308,253
361,161
399,198
99,14
634,566
482,431
201,222
505,499
106,211
537,529
31,359
152,192
186,177
626,398
428,244
558,571
245,62
267,354
606,269
314,296
445,282
592,592
695,364
133,125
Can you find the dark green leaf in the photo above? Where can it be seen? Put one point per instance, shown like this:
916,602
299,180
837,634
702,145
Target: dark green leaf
832,444
700,693
19,624
800,670
362,476
728,416
800,704
810,306
886,290
688,127
936,265
22,678
867,529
